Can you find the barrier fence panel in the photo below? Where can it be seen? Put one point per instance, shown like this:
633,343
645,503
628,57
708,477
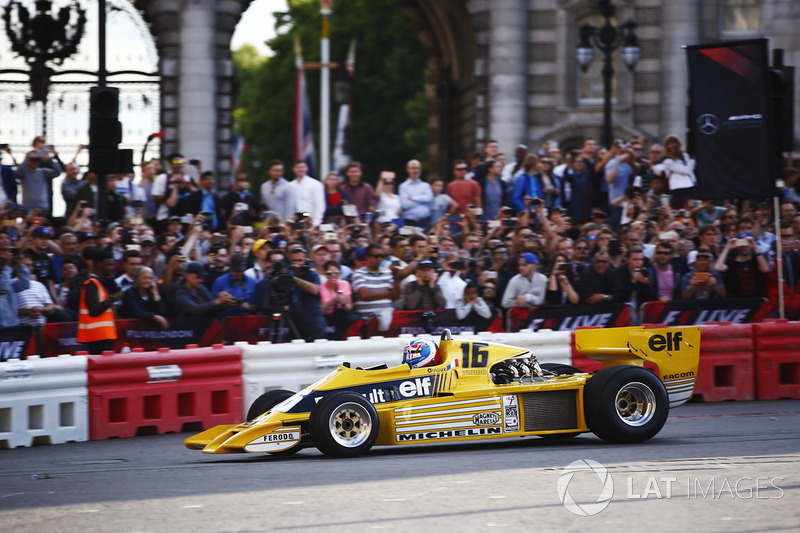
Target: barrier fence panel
43,401
777,360
165,391
726,363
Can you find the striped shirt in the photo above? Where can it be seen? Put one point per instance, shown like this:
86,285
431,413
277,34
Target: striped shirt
383,280
36,296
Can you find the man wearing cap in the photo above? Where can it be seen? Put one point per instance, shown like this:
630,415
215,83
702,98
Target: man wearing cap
261,267
599,284
35,180
528,288
423,293
702,283
320,255
163,185
238,285
37,252
192,298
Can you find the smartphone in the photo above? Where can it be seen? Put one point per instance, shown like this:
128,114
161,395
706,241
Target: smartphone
247,229
298,226
134,203
274,229
396,262
458,265
187,219
350,210
219,239
665,200
453,218
136,247
330,237
194,162
491,274
509,223
326,227
48,147
239,207
406,231
476,211
367,218
492,224
357,229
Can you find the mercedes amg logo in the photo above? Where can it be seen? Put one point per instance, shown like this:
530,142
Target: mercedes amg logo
708,124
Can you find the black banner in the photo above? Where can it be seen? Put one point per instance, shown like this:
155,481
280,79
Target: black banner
14,342
571,317
731,120
697,312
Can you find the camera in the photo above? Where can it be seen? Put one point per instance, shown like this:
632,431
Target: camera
298,226
357,229
563,267
281,282
194,162
614,247
536,202
301,269
453,218
644,272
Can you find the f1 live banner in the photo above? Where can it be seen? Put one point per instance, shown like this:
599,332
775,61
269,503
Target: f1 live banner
571,317
697,312
14,342
731,120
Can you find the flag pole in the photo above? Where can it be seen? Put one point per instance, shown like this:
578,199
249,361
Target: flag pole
325,105
298,98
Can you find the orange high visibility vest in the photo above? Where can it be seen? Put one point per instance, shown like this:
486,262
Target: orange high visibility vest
95,328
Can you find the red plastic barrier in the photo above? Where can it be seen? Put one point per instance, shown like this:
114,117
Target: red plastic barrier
726,363
143,393
777,359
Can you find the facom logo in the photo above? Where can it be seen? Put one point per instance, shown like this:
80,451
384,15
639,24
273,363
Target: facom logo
566,477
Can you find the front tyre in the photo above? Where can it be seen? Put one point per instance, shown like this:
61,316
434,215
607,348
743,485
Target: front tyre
625,404
267,401
344,424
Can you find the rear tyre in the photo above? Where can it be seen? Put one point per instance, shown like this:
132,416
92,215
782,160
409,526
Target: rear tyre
267,401
625,404
344,424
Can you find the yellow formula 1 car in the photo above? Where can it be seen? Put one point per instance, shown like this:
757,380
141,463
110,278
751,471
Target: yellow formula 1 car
478,391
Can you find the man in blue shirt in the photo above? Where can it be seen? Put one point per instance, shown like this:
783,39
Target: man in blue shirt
619,176
237,285
203,200
416,197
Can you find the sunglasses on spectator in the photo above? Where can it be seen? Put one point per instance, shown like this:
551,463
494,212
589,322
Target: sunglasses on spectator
461,169
601,261
332,273
659,252
787,234
380,256
703,256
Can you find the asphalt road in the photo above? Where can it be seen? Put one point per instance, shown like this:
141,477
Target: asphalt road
714,467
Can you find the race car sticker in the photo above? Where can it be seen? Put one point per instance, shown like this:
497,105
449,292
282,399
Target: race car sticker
511,413
276,441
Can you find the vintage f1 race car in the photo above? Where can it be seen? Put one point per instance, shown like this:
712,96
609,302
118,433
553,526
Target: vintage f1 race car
478,391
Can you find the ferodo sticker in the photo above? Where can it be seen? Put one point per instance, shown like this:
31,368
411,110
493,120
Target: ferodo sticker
511,413
164,372
276,441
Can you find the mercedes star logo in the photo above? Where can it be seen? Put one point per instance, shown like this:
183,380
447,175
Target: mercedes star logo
708,124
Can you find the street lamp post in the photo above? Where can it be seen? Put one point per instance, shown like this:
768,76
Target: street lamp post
607,39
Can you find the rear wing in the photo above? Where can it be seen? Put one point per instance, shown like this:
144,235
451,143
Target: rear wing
675,351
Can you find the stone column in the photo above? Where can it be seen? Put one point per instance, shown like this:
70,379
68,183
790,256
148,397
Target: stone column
507,72
680,27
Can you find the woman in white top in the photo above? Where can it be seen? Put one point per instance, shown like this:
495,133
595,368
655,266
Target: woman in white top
388,201
680,172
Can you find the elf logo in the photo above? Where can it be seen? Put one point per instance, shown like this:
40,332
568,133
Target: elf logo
670,343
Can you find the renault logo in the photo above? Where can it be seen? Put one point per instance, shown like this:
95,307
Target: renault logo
708,124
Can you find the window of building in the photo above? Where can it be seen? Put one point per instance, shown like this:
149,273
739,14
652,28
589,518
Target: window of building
590,83
740,15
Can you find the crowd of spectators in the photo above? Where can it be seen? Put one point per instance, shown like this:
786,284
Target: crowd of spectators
500,237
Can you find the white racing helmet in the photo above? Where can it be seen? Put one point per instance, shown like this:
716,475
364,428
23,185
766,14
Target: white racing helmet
421,352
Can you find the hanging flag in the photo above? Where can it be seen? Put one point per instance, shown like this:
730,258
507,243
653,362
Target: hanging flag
731,120
238,147
304,138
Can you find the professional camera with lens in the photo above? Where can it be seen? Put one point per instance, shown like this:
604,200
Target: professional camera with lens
302,269
281,282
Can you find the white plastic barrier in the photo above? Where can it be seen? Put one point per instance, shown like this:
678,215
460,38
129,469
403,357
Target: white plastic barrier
296,365
43,401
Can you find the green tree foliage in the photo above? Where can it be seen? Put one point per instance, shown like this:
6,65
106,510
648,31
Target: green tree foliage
389,116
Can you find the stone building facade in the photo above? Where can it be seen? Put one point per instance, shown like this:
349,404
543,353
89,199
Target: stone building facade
500,69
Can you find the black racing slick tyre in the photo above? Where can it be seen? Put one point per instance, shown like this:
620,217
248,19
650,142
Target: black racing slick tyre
267,401
344,424
558,368
625,404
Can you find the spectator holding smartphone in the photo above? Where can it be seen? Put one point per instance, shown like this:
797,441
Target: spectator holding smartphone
560,290
701,283
744,266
